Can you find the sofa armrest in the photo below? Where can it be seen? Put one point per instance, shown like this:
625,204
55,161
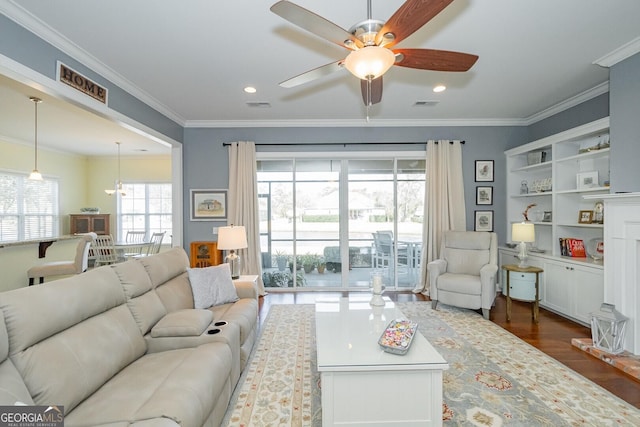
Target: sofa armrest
246,289
488,279
183,323
488,273
435,268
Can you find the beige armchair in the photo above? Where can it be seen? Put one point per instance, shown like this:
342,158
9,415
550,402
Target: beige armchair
466,273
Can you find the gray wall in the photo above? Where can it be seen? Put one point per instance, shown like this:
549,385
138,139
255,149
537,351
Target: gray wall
586,112
31,51
624,87
205,160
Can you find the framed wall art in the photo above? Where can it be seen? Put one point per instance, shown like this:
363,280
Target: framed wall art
586,180
208,205
484,170
483,221
585,217
484,195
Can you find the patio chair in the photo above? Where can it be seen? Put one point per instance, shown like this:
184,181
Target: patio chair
384,253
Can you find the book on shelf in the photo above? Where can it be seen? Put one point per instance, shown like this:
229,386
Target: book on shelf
572,247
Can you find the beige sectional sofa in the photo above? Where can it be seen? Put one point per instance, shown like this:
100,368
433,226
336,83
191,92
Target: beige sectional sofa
122,345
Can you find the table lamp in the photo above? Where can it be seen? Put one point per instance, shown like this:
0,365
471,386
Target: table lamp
232,238
523,232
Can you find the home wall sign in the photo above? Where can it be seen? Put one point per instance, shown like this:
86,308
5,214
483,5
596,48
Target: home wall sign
79,82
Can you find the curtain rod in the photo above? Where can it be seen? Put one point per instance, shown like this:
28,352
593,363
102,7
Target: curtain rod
279,144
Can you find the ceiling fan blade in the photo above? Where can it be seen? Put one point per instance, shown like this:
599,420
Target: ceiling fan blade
371,91
412,15
314,74
315,24
435,60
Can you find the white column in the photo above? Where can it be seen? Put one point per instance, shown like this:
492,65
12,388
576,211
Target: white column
622,261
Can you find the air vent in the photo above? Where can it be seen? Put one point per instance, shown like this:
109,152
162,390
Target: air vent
258,104
426,103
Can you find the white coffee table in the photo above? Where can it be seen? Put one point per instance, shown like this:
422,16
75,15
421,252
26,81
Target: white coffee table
363,385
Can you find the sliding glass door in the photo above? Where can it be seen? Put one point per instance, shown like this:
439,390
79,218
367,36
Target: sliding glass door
320,218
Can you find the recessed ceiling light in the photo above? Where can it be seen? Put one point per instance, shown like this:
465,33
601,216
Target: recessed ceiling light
439,88
250,89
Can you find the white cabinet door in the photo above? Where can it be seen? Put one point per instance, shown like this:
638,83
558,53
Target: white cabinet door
589,292
556,287
573,290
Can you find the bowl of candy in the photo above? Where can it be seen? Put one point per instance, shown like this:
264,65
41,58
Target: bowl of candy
398,335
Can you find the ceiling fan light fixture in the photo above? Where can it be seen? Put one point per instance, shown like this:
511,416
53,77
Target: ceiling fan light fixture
370,62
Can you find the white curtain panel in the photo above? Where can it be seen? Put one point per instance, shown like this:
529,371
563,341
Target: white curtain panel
444,207
243,205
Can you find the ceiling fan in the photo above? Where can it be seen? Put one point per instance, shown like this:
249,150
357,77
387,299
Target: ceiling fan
370,43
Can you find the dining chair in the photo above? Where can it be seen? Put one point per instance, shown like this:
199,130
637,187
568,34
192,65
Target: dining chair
64,268
132,238
104,250
154,245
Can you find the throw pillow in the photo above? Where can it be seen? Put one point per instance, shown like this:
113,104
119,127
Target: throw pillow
201,286
224,291
212,286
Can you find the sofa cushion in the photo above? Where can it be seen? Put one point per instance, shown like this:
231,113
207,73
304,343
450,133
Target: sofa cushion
12,388
180,385
67,338
465,261
183,323
142,300
212,286
466,252
460,283
166,265
176,293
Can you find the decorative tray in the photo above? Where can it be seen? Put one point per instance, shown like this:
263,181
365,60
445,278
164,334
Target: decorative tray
398,335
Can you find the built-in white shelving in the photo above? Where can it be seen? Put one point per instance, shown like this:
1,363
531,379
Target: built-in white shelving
572,159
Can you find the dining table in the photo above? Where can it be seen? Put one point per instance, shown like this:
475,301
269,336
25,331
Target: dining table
126,250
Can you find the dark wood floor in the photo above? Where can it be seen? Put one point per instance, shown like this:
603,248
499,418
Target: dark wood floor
551,335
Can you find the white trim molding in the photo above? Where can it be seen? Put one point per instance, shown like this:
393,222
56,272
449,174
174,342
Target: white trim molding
619,54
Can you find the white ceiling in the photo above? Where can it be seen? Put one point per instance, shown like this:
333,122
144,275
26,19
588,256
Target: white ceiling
191,60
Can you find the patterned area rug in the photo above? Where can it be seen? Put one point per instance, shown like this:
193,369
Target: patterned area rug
494,378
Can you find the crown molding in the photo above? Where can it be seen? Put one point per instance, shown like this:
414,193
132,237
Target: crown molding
619,54
568,103
16,13
350,123
36,26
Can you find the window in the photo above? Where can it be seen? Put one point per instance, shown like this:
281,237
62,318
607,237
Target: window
320,216
28,209
146,207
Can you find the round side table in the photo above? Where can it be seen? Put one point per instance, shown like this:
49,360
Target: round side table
524,280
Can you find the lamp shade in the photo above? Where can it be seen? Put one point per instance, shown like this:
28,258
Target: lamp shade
523,232
369,62
232,237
